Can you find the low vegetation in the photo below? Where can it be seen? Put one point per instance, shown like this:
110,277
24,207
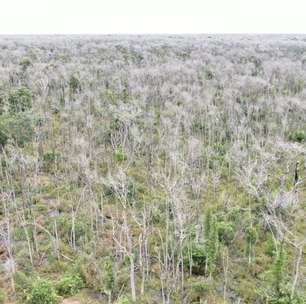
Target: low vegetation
153,169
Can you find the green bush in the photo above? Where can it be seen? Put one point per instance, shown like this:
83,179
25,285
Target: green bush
49,160
64,225
20,100
18,127
23,284
199,258
25,63
120,155
225,232
42,293
298,136
2,296
3,134
123,300
198,288
74,84
69,285
108,275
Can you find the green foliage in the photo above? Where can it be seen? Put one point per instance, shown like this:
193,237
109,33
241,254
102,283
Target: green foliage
205,143
298,136
276,287
108,275
225,232
88,272
284,296
277,271
2,296
204,256
18,127
25,63
69,285
120,155
251,237
207,224
20,100
42,292
3,132
199,257
212,242
23,284
64,225
49,160
198,289
123,300
74,84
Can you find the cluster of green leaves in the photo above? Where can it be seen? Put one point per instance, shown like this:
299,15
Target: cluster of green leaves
20,100
36,290
120,155
25,63
212,241
19,128
204,256
199,288
298,136
251,239
277,288
42,292
49,160
108,275
74,84
69,285
17,124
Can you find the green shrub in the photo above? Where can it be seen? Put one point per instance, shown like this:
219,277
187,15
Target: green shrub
198,256
20,100
64,225
18,127
298,136
25,63
49,160
198,288
225,232
120,155
69,285
123,300
2,296
3,133
23,284
108,275
74,84
42,293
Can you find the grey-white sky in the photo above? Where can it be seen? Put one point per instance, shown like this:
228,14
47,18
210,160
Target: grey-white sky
151,16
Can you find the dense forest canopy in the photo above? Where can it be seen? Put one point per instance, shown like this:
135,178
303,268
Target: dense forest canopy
153,169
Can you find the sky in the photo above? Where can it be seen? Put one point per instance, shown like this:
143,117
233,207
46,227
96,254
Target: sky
151,16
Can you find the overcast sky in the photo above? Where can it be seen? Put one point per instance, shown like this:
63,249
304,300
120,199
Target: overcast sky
151,16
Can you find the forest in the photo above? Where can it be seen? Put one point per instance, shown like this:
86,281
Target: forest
153,169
